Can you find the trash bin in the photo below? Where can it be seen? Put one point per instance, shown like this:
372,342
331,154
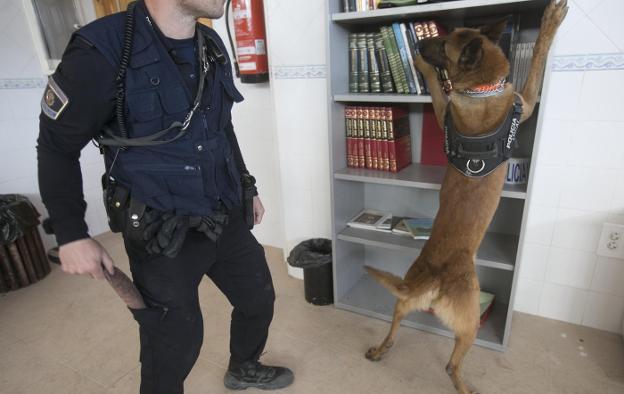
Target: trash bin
315,257
22,258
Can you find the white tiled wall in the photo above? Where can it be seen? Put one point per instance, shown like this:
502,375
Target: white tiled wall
578,183
21,87
296,42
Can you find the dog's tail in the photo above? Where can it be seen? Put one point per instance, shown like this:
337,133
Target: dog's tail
396,285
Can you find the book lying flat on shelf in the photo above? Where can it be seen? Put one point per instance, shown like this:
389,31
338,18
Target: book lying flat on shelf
371,219
420,228
401,229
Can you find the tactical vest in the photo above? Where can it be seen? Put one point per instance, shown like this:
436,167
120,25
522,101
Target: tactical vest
192,174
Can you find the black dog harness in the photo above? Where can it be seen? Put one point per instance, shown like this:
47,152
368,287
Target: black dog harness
478,156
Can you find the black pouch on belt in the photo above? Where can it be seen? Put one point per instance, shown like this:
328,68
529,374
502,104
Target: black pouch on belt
135,222
249,192
116,199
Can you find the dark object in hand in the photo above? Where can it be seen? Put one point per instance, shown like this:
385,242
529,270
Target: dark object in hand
249,192
124,287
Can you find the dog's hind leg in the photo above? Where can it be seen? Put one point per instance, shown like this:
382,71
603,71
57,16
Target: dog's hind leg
463,342
401,309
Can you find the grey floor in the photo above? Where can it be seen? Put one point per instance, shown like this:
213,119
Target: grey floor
72,335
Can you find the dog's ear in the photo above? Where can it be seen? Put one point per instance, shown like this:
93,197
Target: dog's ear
494,31
471,54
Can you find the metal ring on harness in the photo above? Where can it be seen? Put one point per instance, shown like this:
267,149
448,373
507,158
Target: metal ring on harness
470,170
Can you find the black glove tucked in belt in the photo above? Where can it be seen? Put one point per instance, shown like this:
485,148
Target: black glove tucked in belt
165,233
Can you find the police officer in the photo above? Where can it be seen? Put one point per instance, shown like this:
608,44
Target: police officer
154,88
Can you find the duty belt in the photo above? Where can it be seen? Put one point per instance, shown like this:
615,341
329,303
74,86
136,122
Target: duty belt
478,156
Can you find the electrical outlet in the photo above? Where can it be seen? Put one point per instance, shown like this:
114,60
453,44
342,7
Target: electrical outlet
611,241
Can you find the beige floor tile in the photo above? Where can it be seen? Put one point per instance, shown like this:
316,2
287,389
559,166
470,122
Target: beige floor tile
25,369
68,334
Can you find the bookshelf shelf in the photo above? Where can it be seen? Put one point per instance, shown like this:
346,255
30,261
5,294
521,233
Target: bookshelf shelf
414,191
496,251
415,175
381,98
450,9
369,298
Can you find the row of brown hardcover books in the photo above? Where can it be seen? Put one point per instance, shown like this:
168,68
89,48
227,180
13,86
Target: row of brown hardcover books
378,138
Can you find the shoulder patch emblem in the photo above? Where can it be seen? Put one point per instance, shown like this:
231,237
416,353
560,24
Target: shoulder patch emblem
54,100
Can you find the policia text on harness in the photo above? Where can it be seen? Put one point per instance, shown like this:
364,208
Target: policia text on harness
196,179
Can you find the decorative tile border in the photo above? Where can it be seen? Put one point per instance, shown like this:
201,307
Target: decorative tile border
593,62
306,71
23,83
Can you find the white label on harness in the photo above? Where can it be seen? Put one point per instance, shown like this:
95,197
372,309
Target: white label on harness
512,133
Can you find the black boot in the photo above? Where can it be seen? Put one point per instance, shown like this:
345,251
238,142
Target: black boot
254,374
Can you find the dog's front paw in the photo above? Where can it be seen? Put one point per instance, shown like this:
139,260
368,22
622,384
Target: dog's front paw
554,14
373,354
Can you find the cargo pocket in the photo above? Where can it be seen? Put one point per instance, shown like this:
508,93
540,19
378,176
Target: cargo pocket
168,186
144,113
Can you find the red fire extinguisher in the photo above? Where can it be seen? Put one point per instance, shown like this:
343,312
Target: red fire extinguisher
250,56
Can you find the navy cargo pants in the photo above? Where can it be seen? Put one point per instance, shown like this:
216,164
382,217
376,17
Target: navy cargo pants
171,328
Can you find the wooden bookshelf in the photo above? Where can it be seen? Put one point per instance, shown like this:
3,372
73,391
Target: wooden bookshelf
414,191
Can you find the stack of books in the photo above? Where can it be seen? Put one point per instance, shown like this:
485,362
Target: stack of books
359,5
371,219
383,62
378,138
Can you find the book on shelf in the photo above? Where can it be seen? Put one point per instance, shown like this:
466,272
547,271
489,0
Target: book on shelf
415,228
396,68
354,74
420,228
383,65
401,229
399,138
373,64
486,304
368,158
522,64
378,138
370,219
432,142
359,5
363,62
398,36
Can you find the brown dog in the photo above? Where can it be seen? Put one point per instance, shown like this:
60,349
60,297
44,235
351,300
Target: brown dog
443,277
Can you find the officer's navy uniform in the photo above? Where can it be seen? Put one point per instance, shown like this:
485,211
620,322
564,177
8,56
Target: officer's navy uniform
197,174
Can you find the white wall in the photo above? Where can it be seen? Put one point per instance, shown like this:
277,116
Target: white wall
578,182
21,87
296,42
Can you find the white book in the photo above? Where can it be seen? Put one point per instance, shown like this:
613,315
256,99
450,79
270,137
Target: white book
370,219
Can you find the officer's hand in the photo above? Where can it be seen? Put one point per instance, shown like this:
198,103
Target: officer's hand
85,257
258,210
